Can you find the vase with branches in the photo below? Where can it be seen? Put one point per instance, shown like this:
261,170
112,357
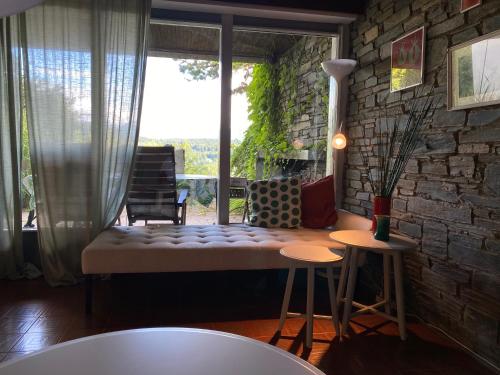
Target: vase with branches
395,141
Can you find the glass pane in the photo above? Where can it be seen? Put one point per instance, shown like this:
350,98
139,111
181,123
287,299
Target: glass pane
181,108
475,75
284,129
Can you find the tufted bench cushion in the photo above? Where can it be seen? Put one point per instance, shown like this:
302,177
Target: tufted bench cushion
170,248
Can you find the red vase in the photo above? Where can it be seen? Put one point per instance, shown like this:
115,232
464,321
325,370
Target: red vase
381,206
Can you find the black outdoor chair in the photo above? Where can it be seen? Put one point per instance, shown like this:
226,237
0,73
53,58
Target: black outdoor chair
153,192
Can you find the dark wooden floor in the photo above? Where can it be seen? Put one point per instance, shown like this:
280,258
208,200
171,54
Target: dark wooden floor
34,316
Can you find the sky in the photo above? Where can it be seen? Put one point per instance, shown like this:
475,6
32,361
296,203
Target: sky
174,107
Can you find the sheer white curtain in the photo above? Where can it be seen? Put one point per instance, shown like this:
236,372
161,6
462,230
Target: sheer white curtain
85,66
11,259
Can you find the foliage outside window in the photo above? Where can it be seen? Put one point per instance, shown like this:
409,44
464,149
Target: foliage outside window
266,134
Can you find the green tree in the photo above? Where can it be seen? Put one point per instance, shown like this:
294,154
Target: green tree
201,70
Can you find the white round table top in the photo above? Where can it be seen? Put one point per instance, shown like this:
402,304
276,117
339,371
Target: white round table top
364,239
310,254
160,351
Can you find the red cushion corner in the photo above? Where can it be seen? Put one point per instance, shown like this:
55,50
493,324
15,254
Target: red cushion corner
318,204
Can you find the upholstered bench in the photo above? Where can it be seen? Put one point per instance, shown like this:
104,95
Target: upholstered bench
179,248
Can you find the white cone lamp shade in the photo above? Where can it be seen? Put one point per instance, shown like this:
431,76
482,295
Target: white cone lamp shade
12,7
339,68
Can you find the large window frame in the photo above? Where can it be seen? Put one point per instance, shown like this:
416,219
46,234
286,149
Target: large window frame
228,18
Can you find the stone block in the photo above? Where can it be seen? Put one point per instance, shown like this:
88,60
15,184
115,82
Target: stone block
482,135
436,52
397,18
452,272
412,166
438,190
406,184
358,210
435,168
470,256
479,13
473,148
437,143
484,117
389,36
364,50
410,229
383,68
370,82
483,328
444,119
371,34
491,24
363,196
352,201
414,22
492,226
487,284
370,101
353,174
356,132
382,96
354,159
369,57
462,166
492,178
480,200
439,282
464,36
399,204
406,192
446,26
385,51
356,184
363,74
493,245
440,210
435,239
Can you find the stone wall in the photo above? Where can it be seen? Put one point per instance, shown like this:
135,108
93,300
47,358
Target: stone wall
449,197
304,100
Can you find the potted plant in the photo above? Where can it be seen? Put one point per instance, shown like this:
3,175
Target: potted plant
395,144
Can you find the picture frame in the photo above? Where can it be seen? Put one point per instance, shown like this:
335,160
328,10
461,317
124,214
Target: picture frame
466,5
407,60
474,72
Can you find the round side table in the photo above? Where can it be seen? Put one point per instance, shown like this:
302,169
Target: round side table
363,240
310,257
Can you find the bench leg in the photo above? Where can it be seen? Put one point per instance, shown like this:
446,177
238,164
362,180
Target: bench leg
88,293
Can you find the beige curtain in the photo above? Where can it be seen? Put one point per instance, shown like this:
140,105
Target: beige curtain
11,259
84,66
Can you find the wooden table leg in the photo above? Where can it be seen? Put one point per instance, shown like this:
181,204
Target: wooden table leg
400,304
286,298
310,306
343,274
333,300
387,283
351,286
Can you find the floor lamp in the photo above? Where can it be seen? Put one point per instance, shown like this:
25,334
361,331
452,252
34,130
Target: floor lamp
338,69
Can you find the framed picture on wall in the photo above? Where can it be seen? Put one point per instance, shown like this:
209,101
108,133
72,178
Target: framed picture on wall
466,5
474,72
407,60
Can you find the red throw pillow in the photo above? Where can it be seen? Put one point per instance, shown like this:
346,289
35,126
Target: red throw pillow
318,203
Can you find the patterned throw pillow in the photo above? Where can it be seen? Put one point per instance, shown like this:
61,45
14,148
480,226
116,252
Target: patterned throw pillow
275,203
